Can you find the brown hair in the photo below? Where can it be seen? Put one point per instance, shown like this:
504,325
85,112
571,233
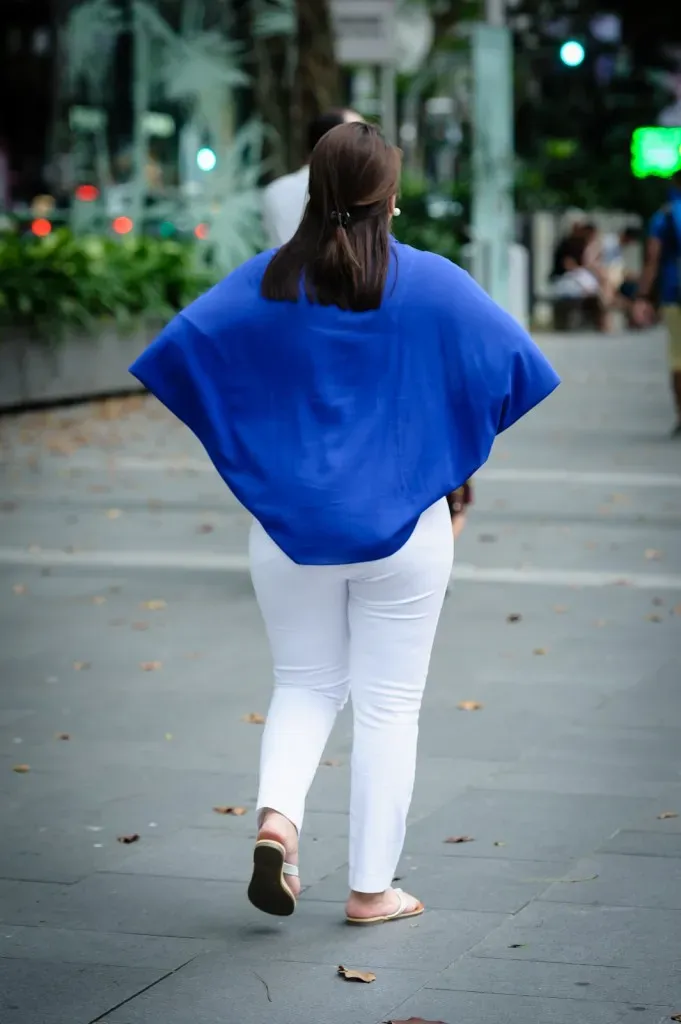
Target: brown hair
341,251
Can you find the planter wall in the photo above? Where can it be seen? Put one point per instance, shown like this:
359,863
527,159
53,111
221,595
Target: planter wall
32,372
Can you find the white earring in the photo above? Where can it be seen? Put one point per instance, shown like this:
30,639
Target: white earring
396,211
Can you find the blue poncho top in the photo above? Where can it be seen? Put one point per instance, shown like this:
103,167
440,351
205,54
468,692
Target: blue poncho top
337,429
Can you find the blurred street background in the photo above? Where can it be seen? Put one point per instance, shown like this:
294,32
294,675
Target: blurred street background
541,140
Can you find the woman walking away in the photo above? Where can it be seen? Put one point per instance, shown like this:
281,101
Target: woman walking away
343,386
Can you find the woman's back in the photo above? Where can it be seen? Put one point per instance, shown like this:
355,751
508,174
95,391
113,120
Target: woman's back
335,428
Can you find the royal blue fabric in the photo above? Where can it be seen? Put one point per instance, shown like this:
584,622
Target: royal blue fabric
669,282
336,430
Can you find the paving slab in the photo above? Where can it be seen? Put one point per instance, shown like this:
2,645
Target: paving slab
57,993
645,844
599,936
481,1008
117,949
536,977
532,825
620,880
216,988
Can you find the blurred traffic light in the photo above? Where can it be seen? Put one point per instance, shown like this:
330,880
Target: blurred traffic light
656,152
201,232
87,193
206,159
572,53
122,225
41,227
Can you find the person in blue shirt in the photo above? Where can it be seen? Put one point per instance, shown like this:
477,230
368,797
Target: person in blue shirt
662,272
343,385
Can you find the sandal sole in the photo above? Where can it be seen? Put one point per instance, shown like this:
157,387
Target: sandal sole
267,890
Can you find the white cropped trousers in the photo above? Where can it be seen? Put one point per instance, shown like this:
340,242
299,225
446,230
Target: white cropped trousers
364,631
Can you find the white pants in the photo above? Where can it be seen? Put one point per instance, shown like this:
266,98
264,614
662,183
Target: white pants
364,631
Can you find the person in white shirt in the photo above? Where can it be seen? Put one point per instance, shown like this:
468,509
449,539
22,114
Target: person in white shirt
284,200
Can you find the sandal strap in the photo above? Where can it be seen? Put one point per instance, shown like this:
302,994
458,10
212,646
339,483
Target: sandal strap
291,869
402,900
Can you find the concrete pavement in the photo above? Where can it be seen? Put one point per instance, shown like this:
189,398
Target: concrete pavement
131,652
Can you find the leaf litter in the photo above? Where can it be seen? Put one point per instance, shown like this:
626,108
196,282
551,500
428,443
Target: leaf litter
236,812
155,605
459,839
253,718
151,666
132,838
350,974
667,814
470,705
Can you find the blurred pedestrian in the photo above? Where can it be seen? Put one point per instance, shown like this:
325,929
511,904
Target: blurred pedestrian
283,201
661,279
343,386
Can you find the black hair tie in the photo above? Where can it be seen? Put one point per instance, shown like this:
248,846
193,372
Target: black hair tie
341,218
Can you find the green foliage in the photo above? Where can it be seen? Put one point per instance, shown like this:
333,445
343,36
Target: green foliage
418,227
50,285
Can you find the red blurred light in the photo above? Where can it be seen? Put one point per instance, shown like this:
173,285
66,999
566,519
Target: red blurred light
41,227
201,231
122,225
87,193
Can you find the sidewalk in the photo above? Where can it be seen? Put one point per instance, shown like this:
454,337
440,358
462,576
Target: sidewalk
131,652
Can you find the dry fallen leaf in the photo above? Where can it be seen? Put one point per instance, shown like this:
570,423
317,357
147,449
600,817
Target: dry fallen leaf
205,528
132,838
63,736
81,666
99,599
332,762
415,1020
151,666
352,975
652,554
560,609
539,650
154,606
113,513
21,769
253,718
236,812
459,839
676,1017
667,814
20,588
514,617
517,945
470,705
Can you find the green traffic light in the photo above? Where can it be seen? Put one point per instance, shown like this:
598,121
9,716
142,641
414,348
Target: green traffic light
656,152
572,53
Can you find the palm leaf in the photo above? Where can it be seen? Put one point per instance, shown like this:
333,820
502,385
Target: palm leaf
274,18
91,32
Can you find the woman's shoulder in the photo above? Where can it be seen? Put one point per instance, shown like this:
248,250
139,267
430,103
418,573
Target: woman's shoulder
434,280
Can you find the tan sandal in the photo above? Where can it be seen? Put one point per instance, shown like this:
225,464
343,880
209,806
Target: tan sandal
397,915
268,890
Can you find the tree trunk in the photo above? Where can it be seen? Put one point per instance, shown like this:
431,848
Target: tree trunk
317,85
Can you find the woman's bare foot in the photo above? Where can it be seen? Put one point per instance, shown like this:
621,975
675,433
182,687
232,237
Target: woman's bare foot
392,903
276,826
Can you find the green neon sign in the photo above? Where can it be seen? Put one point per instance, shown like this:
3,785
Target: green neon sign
656,152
